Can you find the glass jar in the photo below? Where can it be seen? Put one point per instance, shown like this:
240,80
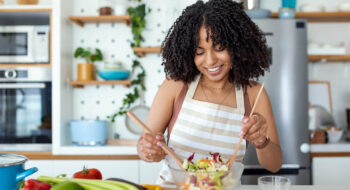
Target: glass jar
105,7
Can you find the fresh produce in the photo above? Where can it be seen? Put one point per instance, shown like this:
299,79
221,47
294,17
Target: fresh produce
207,173
152,187
141,187
86,173
67,185
32,184
91,184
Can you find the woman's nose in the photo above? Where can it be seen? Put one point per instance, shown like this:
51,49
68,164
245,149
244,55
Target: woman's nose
211,58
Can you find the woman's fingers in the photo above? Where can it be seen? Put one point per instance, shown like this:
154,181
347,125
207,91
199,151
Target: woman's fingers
252,128
150,147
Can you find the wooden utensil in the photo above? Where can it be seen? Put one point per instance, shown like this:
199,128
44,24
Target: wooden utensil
232,159
164,146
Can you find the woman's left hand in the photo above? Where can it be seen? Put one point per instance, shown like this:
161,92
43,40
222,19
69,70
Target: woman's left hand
254,129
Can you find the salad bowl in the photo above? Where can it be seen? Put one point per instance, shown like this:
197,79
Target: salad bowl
214,179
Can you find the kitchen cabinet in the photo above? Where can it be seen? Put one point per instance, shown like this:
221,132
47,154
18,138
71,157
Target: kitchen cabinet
331,170
149,172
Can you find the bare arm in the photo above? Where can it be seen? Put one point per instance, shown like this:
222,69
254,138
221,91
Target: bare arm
158,119
261,125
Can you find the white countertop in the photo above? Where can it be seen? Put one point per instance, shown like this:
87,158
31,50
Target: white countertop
334,147
303,187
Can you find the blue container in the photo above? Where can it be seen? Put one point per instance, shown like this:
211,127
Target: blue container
88,133
289,3
113,74
12,171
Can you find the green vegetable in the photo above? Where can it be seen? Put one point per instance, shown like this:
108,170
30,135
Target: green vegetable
91,184
67,185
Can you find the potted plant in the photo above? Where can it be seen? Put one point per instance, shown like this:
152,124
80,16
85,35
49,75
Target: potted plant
86,70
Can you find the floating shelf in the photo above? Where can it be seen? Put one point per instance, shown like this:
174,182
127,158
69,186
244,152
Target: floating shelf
334,58
320,16
81,84
141,51
81,20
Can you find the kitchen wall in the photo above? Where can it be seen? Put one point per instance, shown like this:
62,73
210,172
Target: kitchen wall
112,39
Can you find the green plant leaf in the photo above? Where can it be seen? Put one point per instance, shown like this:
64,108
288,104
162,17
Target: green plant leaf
78,52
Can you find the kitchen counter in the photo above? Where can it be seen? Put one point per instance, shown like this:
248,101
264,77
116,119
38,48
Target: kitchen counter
302,187
334,147
341,149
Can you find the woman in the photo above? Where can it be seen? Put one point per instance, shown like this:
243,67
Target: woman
210,54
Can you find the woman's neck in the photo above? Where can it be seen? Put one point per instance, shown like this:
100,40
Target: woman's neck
219,85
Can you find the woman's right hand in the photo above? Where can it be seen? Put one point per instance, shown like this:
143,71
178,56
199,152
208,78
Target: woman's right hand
149,148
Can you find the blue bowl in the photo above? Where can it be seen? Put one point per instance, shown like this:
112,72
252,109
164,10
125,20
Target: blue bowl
113,74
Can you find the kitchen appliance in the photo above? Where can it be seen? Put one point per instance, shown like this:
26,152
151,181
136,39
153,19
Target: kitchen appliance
24,44
25,106
287,86
12,170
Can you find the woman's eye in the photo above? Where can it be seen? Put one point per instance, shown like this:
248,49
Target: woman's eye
219,48
199,52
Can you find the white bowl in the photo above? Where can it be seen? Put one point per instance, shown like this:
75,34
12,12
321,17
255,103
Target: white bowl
334,136
344,7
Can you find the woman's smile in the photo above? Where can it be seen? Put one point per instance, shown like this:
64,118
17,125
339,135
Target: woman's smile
215,70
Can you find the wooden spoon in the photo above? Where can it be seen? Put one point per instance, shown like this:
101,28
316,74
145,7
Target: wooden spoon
232,159
177,160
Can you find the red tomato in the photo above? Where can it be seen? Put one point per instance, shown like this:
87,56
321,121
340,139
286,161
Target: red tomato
92,173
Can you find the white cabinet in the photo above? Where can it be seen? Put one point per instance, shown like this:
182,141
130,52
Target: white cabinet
125,169
149,172
331,170
45,167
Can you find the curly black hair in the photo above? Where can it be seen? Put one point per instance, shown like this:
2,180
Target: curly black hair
230,27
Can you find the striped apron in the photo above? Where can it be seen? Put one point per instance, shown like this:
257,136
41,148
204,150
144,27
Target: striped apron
203,128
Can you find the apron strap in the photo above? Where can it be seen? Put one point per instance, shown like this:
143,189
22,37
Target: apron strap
247,107
177,107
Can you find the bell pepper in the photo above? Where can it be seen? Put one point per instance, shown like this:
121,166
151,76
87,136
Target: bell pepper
67,185
32,184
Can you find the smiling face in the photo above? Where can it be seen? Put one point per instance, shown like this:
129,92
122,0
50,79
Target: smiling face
213,62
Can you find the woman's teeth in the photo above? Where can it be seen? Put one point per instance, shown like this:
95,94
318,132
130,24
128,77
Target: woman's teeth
214,69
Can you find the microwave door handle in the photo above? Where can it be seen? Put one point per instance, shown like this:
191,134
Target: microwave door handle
21,85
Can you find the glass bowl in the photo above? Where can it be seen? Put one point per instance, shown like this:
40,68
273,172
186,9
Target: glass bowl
274,183
228,180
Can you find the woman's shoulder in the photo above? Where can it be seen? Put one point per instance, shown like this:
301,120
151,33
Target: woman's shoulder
172,87
253,90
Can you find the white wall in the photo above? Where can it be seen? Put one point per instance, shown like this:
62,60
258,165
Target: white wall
112,40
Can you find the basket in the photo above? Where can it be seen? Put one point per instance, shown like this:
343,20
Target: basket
27,2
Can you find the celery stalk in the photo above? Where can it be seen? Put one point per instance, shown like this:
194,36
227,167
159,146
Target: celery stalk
90,184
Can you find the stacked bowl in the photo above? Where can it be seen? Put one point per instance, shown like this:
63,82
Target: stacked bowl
113,71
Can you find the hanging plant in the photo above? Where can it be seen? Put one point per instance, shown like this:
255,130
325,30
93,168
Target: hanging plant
138,24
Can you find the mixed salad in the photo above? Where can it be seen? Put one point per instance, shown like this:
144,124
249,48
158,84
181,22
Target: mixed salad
207,173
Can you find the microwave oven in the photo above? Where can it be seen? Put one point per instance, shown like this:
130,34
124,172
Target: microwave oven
24,44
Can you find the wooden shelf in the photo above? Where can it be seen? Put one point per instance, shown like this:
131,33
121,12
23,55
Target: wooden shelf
81,20
81,84
335,58
321,16
141,51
